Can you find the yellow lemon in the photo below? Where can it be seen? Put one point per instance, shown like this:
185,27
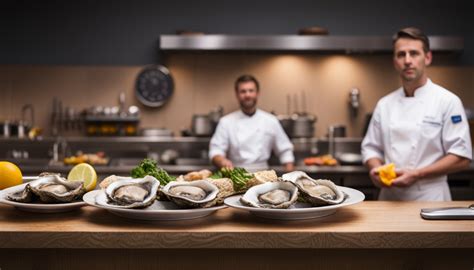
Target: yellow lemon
387,174
10,175
84,172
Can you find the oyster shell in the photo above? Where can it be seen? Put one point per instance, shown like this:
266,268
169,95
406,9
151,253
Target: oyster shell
50,188
271,195
193,194
316,192
127,192
226,189
109,180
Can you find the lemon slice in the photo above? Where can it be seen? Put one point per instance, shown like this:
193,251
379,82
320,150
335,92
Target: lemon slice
84,172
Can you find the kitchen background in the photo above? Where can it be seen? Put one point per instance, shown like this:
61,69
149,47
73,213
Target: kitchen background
87,52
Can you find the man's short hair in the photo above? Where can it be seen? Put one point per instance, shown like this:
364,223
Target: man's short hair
413,33
246,78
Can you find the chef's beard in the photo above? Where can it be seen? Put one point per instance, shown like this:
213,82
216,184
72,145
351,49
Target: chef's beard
248,104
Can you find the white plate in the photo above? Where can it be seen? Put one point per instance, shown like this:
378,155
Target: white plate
37,207
159,210
298,210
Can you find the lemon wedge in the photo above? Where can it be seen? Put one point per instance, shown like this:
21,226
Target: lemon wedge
387,174
84,172
10,175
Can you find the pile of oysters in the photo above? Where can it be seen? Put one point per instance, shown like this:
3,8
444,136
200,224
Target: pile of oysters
291,187
193,190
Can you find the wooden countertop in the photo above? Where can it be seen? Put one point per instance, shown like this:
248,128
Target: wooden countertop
370,224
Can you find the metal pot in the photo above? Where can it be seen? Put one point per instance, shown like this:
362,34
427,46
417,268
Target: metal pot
202,125
156,132
303,126
349,158
337,131
287,124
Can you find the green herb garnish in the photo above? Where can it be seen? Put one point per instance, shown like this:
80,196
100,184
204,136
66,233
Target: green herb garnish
239,176
150,167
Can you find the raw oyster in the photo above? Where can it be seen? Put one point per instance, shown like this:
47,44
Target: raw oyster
193,194
316,192
271,195
50,188
132,192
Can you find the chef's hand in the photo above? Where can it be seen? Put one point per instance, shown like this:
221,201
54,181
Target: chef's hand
405,178
225,163
222,162
374,176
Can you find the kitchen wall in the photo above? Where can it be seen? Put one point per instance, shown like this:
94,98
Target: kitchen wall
205,80
125,32
86,52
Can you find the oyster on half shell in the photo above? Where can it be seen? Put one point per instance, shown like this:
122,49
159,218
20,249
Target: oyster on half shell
193,194
50,188
271,195
131,192
316,192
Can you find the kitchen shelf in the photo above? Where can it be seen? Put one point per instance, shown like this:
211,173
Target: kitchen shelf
347,44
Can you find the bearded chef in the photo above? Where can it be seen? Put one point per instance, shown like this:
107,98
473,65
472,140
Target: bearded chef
420,127
246,138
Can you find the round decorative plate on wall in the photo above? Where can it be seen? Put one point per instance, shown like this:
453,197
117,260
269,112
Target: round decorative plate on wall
154,86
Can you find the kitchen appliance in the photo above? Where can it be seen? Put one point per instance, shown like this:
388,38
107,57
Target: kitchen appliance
287,123
333,132
349,158
202,125
300,124
354,101
337,131
154,86
303,126
156,132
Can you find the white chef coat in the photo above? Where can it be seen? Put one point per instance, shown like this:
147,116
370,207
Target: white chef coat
248,141
414,132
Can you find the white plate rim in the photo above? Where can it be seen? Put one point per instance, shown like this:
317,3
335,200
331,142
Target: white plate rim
360,197
48,206
89,198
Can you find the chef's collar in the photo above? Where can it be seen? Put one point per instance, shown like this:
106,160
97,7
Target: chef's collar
420,91
248,115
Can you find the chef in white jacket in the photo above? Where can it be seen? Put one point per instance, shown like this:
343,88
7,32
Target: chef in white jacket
246,138
420,127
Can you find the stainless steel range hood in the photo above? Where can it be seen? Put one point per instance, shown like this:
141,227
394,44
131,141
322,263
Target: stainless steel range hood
297,43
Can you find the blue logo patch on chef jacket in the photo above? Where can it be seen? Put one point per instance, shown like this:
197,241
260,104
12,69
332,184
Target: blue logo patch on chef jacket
456,119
